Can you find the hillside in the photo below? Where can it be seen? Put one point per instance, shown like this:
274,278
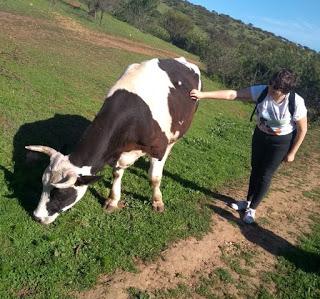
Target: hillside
229,30
240,54
232,52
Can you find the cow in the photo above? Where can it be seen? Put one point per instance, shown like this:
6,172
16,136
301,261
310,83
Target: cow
144,113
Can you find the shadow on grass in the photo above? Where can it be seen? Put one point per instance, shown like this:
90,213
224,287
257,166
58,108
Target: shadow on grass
61,132
142,164
276,245
102,198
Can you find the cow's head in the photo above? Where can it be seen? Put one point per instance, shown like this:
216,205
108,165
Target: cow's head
64,184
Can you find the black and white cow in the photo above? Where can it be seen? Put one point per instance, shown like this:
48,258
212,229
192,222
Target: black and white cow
145,112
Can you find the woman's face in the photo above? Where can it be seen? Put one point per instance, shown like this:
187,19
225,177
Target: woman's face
275,93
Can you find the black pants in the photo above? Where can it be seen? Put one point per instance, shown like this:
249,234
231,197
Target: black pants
268,151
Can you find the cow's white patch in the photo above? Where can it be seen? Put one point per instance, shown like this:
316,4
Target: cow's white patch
155,175
84,170
115,194
153,85
191,66
174,137
41,212
128,158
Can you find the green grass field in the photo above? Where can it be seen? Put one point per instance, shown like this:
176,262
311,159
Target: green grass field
51,87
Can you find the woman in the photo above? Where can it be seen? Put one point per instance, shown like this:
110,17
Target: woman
278,134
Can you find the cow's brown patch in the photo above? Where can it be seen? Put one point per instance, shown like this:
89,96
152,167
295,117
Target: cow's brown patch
181,106
123,124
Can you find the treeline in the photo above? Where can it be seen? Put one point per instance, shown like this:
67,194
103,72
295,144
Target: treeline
235,53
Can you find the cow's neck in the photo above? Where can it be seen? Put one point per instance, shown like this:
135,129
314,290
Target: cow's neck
96,146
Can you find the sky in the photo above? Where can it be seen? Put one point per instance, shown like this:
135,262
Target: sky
296,20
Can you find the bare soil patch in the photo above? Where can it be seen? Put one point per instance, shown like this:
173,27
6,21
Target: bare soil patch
23,27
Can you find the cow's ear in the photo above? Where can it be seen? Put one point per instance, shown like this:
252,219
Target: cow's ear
87,179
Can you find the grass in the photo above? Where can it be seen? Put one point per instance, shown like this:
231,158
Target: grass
313,194
137,294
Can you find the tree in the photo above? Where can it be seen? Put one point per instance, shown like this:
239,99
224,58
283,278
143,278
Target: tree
178,26
137,12
103,6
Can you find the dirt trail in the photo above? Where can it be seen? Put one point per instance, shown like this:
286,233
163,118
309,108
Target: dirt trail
22,27
281,219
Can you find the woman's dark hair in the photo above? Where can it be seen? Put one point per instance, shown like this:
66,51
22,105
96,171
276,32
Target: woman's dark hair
285,80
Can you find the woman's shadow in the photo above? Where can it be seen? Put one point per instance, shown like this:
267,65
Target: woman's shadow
274,244
266,239
60,132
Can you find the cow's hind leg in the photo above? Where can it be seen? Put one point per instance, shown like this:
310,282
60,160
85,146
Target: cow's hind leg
155,175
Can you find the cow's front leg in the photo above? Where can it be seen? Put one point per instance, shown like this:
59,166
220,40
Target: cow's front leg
155,175
115,194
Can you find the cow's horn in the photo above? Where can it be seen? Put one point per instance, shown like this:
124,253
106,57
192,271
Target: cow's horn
42,149
71,180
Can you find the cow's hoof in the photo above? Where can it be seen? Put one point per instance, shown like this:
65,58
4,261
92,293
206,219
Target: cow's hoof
109,209
158,208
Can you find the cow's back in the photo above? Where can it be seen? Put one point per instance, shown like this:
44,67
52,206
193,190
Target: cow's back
164,85
148,108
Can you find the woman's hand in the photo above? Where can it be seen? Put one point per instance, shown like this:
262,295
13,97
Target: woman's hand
195,94
289,158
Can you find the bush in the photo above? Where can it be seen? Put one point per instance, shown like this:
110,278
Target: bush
159,32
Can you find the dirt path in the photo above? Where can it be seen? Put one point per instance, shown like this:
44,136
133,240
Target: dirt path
281,219
22,27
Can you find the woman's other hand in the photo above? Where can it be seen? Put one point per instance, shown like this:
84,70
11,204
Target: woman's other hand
289,158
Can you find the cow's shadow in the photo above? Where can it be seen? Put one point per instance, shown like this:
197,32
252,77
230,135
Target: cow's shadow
144,165
61,132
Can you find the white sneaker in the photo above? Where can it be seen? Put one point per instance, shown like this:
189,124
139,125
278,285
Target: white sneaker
240,205
249,216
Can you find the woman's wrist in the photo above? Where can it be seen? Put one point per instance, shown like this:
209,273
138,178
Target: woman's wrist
201,95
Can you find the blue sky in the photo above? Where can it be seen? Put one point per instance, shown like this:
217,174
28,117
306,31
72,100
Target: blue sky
296,20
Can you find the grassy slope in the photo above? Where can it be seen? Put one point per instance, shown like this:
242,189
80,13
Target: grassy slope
55,82
110,25
50,87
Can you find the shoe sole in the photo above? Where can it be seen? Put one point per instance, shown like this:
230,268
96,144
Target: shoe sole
236,207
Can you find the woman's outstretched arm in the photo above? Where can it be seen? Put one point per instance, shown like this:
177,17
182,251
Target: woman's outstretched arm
227,94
